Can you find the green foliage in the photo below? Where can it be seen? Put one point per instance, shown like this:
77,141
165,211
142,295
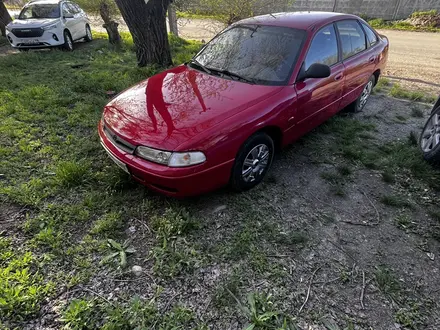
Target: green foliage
120,250
108,225
379,23
262,314
409,317
83,314
395,201
93,6
79,315
22,288
387,282
71,174
432,12
174,254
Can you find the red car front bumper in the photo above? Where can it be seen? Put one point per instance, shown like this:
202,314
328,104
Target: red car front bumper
176,182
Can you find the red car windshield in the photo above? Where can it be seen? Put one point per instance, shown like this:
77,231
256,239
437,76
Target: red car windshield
256,53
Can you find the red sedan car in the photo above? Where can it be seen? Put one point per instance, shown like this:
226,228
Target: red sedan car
260,84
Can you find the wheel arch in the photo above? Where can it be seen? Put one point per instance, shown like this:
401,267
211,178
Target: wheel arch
275,133
376,75
436,105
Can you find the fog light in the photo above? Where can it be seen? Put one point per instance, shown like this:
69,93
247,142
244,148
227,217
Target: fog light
10,39
55,37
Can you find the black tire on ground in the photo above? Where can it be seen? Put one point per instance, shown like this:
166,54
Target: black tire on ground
429,141
260,144
68,42
359,104
89,36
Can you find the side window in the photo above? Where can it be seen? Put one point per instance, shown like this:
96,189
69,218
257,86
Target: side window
352,38
66,10
72,8
324,48
371,36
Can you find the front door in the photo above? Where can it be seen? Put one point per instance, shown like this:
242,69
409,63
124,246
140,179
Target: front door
319,99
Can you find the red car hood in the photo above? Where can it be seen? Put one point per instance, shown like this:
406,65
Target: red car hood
174,106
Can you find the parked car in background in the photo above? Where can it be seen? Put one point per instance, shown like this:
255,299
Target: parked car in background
48,23
257,86
430,137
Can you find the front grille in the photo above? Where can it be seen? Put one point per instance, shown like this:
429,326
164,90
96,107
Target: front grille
118,141
28,33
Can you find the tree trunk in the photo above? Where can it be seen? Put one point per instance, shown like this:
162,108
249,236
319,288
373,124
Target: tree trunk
109,24
5,18
172,19
146,20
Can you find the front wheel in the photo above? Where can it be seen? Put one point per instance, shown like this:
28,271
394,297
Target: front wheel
252,162
359,104
430,138
89,36
68,42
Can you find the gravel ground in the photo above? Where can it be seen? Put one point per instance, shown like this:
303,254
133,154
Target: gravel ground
414,59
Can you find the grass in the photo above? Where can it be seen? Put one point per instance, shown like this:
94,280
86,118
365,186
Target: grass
402,93
432,12
379,23
53,166
395,201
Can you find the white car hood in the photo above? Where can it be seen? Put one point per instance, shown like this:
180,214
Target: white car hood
31,23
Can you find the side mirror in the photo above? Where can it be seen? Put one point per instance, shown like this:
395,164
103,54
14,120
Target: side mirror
316,70
68,16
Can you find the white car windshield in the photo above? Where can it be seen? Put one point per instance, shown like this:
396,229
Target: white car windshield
36,11
256,53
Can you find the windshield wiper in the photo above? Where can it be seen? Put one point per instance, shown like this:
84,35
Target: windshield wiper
200,65
232,74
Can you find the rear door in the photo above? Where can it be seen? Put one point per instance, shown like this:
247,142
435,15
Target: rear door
319,99
81,18
358,60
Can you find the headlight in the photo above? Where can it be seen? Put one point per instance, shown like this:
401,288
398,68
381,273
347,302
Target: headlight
154,155
175,159
182,159
50,27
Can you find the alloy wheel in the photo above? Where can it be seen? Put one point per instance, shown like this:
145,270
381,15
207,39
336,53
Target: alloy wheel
431,134
89,33
69,42
256,163
365,94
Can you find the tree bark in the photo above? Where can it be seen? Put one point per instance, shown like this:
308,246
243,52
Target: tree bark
109,24
146,20
5,18
172,19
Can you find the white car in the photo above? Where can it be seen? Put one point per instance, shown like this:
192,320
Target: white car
49,23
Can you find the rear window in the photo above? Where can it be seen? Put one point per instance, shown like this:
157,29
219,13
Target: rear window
352,38
371,36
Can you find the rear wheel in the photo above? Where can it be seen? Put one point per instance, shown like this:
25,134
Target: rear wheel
359,104
430,138
252,162
89,36
68,42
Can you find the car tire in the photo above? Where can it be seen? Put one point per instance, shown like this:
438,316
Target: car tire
359,104
89,36
68,42
252,162
430,138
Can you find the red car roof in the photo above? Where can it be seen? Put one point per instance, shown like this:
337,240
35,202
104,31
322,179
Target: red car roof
299,20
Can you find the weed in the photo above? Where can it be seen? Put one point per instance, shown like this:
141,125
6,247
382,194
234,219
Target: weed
399,92
79,315
71,174
121,252
388,177
108,225
404,221
22,288
261,313
344,170
409,317
435,214
413,139
433,12
387,282
417,112
401,118
222,296
395,201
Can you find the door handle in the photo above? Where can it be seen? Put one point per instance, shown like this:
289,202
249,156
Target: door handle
339,76
372,59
